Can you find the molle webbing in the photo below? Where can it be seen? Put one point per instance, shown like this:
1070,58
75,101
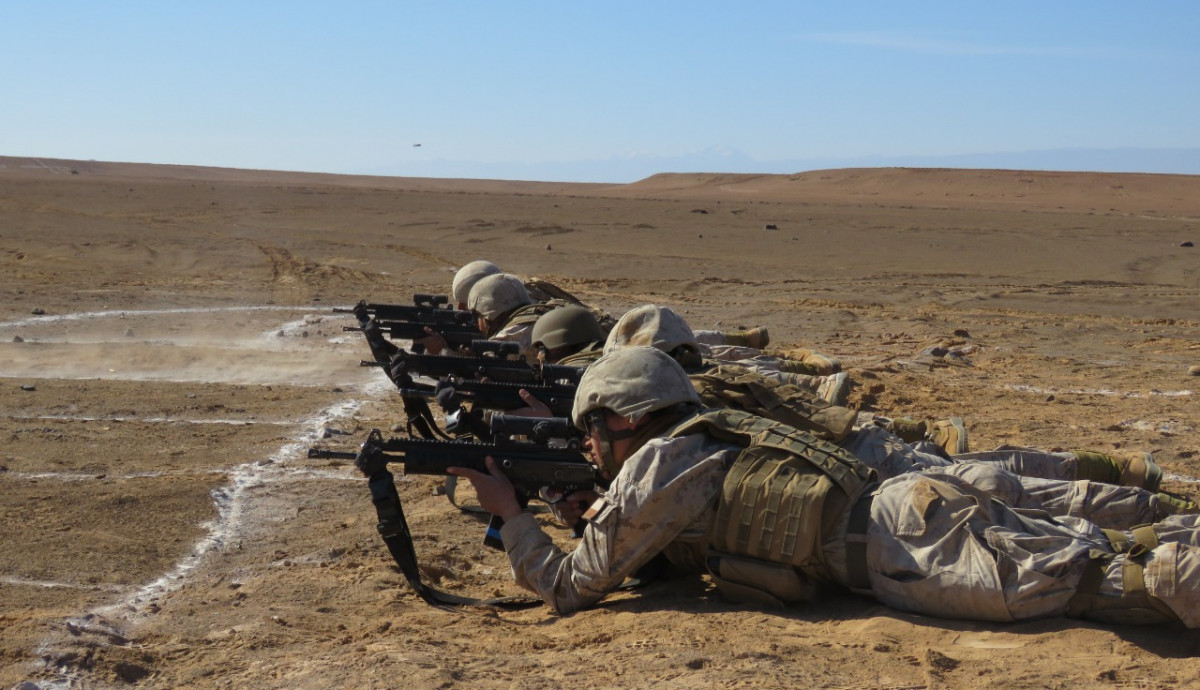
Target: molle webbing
743,389
783,493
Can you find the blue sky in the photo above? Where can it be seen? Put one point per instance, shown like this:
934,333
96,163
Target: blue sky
496,89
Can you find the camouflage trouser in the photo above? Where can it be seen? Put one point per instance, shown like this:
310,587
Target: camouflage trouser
937,545
1028,462
705,337
1107,505
1022,479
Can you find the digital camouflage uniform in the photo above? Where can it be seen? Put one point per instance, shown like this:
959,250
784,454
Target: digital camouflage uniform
934,544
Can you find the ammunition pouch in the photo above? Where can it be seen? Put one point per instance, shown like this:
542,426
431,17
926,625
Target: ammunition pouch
755,581
781,496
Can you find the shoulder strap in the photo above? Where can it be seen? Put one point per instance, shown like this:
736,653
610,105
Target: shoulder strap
394,530
747,430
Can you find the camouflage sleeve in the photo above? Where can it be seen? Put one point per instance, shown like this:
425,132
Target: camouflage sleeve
666,488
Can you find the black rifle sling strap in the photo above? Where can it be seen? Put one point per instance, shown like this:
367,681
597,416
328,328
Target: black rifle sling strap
394,530
421,417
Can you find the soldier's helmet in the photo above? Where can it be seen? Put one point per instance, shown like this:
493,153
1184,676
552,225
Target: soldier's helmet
496,295
632,382
651,326
566,326
468,275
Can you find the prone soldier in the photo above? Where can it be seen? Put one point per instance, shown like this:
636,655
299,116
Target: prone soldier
684,482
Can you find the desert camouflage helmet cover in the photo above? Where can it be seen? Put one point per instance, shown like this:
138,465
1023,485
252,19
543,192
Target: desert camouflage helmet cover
496,295
468,275
632,382
650,326
566,326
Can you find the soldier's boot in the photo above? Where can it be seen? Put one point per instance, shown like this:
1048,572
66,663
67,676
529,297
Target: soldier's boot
824,364
835,389
1122,467
810,362
1177,505
756,338
908,429
950,435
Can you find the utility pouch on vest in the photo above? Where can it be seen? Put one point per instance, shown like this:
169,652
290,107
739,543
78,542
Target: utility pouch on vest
747,390
755,581
782,494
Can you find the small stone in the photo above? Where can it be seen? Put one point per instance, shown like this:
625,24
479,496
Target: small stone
961,333
1186,244
548,247
18,339
770,226
38,311
28,388
1194,370
129,333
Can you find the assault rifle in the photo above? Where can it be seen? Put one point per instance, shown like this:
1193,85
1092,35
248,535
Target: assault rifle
424,308
400,321
490,367
451,394
535,471
501,395
457,335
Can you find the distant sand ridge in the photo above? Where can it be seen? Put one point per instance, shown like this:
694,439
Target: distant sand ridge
1103,193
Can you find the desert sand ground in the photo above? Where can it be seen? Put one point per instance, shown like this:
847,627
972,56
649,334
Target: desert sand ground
168,352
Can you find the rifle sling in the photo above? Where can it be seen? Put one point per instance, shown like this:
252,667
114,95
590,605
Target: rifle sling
394,530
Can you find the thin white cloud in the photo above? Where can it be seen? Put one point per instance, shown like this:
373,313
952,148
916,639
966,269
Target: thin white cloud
913,43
